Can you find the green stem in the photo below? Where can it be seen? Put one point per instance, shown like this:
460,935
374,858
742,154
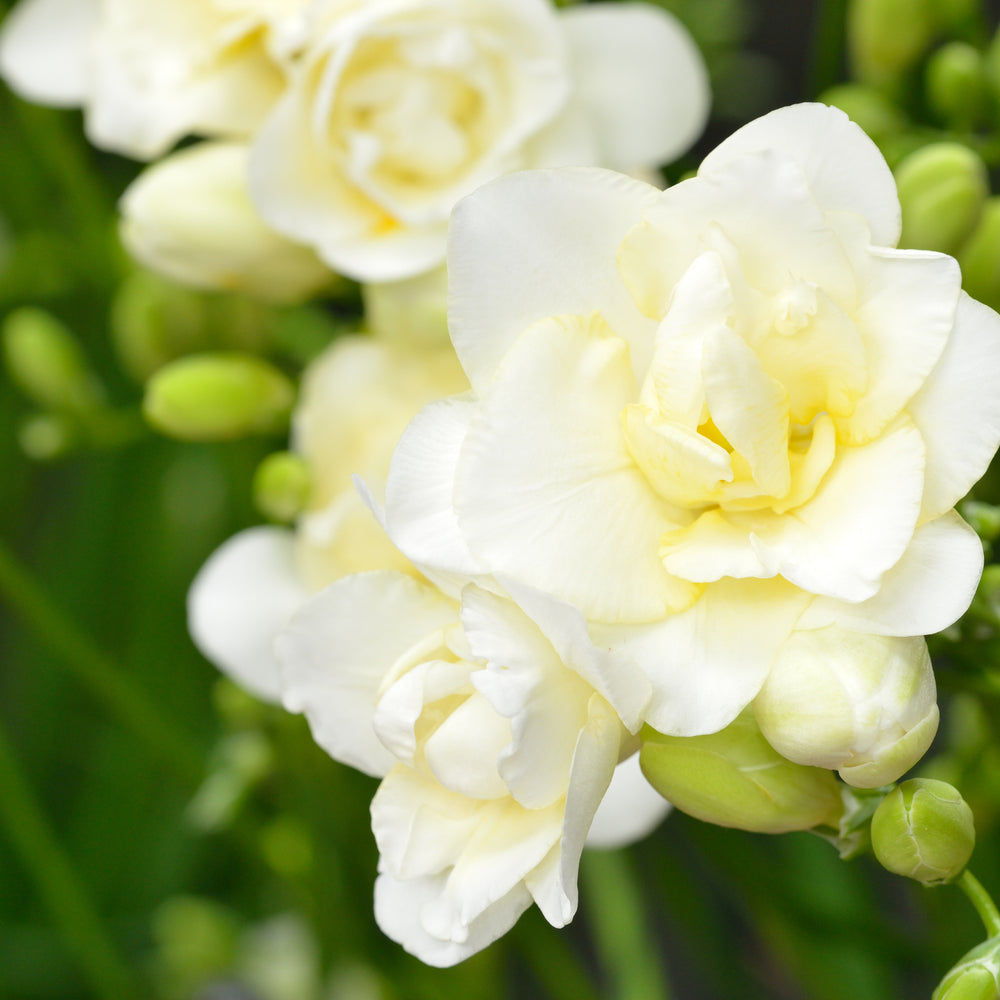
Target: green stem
57,884
981,900
78,653
620,928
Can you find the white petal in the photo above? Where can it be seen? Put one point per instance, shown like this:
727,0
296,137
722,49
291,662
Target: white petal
546,491
45,50
239,601
926,591
337,650
958,409
707,663
630,810
845,170
642,78
539,244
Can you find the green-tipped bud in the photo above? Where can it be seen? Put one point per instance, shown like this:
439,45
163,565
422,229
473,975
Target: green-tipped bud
980,256
46,361
281,486
413,313
870,108
943,188
887,37
975,977
735,778
924,830
957,84
862,704
216,397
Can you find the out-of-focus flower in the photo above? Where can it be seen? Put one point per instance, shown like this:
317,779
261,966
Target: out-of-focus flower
355,400
148,72
711,415
862,704
189,217
398,109
924,830
497,726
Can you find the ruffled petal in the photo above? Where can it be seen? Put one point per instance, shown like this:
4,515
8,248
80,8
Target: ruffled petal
239,601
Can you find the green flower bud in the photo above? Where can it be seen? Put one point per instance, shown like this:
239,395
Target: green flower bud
887,37
412,313
281,486
870,108
215,397
942,190
46,437
735,778
957,84
975,977
984,519
46,361
924,830
979,256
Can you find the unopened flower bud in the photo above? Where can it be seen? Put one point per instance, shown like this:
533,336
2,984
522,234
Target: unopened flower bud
975,977
983,518
979,256
215,397
281,486
887,37
46,361
942,190
734,778
189,217
862,704
412,313
924,830
957,85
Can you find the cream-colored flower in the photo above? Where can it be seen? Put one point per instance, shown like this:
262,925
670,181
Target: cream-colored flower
709,415
356,399
398,108
496,725
148,72
189,217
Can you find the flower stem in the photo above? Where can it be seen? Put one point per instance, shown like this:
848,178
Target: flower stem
981,900
620,928
89,664
57,883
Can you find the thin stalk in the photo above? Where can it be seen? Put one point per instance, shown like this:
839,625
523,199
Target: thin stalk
77,652
621,931
981,900
58,886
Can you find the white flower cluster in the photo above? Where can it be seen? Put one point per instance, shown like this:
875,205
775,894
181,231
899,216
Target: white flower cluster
360,122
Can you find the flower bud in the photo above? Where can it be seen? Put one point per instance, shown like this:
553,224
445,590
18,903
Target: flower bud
281,486
862,704
975,977
189,217
734,778
887,37
924,830
215,397
942,190
413,313
46,361
957,85
979,256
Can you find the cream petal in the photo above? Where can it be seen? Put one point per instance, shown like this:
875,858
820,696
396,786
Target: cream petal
630,810
539,244
339,648
929,588
45,48
239,601
958,408
845,170
546,492
707,664
641,77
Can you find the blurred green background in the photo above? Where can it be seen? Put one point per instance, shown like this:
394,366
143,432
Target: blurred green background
162,835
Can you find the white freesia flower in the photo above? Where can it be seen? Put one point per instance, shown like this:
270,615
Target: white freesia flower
148,72
398,108
496,725
189,217
356,399
709,415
